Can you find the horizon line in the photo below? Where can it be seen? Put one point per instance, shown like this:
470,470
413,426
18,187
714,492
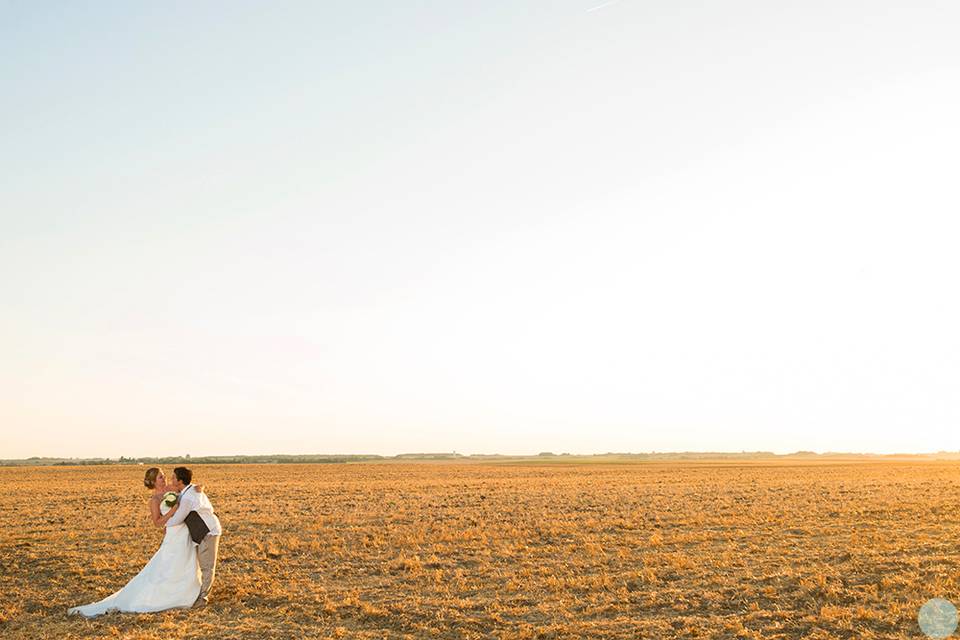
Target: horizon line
455,454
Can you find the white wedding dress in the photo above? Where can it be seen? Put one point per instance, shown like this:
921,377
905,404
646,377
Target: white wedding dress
170,580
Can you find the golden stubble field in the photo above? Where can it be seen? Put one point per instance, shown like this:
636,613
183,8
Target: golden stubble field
658,550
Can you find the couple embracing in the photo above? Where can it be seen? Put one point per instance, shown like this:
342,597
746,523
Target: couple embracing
180,574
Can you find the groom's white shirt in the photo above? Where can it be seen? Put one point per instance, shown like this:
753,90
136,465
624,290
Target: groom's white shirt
193,500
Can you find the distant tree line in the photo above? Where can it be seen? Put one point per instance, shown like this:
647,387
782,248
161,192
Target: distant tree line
188,460
544,457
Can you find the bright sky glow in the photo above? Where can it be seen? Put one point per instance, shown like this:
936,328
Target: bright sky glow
487,227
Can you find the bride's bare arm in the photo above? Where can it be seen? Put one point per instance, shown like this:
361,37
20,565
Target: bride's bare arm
155,512
161,520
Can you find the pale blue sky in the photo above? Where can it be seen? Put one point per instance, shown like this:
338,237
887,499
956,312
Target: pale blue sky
489,227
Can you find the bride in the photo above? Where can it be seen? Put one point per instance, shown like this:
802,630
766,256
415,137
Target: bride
171,579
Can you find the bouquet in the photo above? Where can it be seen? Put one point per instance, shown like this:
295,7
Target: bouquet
170,498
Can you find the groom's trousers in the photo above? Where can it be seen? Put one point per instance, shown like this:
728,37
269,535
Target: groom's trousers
207,559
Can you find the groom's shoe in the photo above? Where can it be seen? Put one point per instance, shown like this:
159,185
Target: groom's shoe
199,603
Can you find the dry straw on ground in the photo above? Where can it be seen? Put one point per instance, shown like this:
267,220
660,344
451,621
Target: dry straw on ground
658,550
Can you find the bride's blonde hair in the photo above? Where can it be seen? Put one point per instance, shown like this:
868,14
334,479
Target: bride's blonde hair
150,477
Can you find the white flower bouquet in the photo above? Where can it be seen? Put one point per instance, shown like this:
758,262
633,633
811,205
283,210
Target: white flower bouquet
170,498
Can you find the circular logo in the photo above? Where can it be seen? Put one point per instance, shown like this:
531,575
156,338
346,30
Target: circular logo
938,618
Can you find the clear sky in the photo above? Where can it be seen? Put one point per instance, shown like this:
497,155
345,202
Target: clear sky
495,226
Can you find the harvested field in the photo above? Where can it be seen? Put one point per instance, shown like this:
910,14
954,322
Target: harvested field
420,550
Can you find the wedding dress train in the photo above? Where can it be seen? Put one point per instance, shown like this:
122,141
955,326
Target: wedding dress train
170,580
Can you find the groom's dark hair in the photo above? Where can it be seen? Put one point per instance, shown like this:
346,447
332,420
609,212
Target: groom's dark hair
183,474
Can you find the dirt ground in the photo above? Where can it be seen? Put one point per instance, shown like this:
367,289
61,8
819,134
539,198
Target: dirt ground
427,550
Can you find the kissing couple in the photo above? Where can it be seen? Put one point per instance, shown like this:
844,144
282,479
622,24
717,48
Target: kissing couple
180,574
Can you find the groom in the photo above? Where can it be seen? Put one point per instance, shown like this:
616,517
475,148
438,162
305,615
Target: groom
196,510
